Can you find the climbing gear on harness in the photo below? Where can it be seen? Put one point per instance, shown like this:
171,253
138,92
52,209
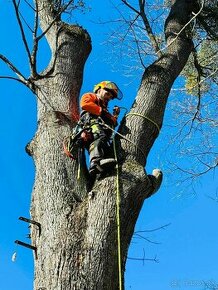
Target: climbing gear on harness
79,139
110,87
99,149
89,134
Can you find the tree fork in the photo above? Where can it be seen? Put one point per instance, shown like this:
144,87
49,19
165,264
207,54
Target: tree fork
77,246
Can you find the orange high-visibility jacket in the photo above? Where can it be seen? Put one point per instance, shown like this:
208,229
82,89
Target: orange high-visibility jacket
90,103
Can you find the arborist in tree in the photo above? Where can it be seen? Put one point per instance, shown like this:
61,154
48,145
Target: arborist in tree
95,115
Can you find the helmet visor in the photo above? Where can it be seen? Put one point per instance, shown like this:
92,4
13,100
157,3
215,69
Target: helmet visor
114,90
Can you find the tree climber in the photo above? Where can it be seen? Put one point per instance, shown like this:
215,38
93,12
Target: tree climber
95,114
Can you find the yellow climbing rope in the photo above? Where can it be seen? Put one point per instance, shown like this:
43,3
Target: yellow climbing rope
122,136
145,117
79,164
118,192
118,219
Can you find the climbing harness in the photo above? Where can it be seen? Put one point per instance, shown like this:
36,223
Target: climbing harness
75,144
79,138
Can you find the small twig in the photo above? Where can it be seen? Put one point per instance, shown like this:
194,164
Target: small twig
24,20
29,5
146,239
194,174
138,49
153,230
144,259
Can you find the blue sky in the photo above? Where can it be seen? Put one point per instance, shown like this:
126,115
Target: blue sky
187,249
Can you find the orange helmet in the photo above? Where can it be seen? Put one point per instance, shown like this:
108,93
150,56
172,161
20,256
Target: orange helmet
110,87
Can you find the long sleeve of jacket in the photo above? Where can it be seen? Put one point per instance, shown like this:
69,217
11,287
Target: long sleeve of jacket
89,103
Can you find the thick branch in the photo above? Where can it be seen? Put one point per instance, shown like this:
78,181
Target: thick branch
156,83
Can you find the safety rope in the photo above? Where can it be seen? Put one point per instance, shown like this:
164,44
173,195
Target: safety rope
118,218
79,164
116,132
145,117
118,190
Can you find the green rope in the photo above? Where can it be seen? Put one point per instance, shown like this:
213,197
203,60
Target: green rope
118,219
145,117
79,164
118,192
122,136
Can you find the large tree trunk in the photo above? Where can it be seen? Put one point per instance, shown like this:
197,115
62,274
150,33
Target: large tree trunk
77,245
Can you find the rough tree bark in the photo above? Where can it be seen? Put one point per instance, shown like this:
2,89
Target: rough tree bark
77,245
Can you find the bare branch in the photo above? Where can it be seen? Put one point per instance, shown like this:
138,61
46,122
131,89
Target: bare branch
193,174
16,7
146,239
131,7
153,230
32,56
148,28
29,5
138,49
199,73
35,42
146,23
13,78
144,259
24,20
14,69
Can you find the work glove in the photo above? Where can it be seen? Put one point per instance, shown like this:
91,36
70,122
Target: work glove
116,111
108,118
